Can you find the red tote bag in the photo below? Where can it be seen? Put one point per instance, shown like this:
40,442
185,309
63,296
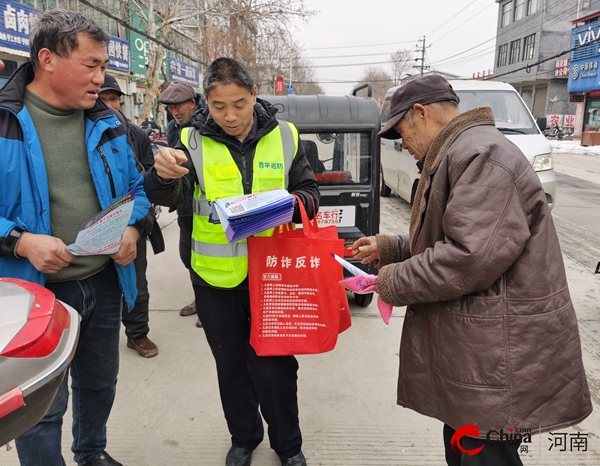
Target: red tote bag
295,299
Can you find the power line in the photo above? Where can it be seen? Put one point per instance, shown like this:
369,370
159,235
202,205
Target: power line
350,56
564,52
561,17
138,31
449,19
360,46
478,13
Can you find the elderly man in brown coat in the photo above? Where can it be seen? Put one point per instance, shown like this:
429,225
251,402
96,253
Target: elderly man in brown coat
490,340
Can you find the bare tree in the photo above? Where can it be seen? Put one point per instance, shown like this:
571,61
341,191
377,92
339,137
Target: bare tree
216,27
401,61
306,84
169,14
380,81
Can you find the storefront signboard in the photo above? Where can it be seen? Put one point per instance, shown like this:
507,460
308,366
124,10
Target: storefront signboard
118,54
182,71
15,25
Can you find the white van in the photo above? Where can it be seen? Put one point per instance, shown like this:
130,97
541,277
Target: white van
399,172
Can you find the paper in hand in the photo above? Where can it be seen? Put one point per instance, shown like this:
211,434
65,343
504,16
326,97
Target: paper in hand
102,234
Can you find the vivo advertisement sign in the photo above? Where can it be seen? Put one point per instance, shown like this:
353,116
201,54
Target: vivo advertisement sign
584,71
15,25
182,71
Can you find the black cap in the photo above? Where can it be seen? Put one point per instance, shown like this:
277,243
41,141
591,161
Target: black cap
423,90
110,84
177,93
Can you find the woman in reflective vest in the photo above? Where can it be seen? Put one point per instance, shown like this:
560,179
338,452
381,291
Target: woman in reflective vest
236,146
215,260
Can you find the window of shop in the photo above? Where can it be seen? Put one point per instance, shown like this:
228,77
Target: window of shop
593,113
10,67
533,6
515,51
503,55
506,12
519,9
586,4
528,47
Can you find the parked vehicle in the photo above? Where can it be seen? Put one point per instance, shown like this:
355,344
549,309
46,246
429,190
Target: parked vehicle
399,170
38,337
339,135
555,131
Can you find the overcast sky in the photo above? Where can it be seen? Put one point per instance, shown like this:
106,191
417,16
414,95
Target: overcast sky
368,31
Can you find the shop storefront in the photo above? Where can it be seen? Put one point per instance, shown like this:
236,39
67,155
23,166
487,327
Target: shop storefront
592,113
584,77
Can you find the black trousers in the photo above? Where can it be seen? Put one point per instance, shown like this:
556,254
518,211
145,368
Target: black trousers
185,223
492,454
247,381
136,321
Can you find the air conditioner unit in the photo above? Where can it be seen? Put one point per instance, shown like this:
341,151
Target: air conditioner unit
139,98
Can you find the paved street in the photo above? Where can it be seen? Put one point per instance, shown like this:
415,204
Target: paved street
168,411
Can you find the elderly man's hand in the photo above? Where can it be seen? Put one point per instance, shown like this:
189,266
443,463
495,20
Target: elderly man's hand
167,163
128,250
366,249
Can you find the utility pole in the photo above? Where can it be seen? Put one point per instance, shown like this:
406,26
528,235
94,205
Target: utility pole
422,55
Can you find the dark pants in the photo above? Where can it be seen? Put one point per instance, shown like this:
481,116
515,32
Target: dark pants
492,454
185,223
136,320
247,381
98,300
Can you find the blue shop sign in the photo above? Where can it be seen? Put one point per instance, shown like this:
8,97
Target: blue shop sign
15,25
584,71
182,71
584,75
118,54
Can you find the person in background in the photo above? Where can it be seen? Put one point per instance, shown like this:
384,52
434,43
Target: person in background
136,321
49,188
182,101
255,152
490,339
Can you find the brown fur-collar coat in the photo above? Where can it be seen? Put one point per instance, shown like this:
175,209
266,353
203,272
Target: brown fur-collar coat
490,336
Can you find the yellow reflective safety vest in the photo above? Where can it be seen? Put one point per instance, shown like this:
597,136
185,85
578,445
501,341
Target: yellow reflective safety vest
219,263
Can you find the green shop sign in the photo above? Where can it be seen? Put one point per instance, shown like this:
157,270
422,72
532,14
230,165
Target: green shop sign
139,46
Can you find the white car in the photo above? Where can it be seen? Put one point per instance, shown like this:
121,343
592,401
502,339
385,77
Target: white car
399,170
38,338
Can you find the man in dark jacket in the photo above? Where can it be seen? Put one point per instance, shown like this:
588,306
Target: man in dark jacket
182,101
490,342
240,148
136,321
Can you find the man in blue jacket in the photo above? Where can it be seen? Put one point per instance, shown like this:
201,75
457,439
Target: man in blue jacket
64,158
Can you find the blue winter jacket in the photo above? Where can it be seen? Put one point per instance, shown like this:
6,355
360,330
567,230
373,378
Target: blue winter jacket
24,198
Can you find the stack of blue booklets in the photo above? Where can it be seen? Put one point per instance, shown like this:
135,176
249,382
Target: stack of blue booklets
247,215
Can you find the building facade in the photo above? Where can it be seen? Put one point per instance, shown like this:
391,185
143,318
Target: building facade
532,43
584,69
128,48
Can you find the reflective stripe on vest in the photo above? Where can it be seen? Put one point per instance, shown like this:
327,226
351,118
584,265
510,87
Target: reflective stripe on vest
213,258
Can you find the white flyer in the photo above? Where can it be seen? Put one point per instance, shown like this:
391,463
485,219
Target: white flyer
102,233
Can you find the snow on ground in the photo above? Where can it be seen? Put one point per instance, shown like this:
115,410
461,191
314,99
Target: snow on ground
572,146
573,159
